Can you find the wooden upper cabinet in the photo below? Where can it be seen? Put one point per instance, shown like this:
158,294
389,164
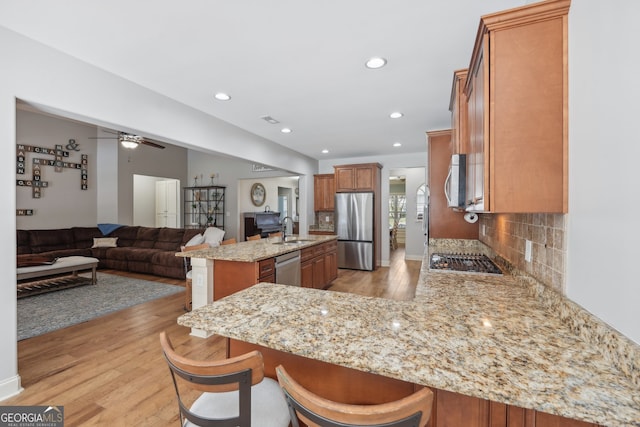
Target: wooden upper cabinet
517,110
324,190
458,108
360,177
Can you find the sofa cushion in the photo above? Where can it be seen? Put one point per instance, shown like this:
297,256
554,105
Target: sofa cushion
105,242
130,253
50,240
22,238
83,236
213,236
126,235
169,239
189,233
146,237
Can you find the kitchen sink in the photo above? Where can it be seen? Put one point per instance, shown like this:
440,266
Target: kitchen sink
292,241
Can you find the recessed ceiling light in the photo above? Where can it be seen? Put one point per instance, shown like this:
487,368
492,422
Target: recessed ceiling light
325,151
397,144
396,115
376,62
285,130
220,96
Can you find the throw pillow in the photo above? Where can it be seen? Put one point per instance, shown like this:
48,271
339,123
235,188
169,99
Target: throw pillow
105,242
198,239
213,236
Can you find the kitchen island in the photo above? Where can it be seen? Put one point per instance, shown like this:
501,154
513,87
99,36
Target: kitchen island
224,270
482,336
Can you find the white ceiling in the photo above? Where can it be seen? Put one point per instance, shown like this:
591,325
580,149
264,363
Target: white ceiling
299,61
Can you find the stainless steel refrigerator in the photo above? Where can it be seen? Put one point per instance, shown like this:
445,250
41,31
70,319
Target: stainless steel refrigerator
354,227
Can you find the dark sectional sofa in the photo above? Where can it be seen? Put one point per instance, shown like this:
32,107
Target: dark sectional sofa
139,249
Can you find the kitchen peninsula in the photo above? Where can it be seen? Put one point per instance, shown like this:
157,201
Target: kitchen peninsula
224,270
478,337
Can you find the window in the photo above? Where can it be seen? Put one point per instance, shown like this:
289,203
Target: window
397,210
421,202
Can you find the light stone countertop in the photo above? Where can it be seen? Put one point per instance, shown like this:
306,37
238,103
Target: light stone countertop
478,335
257,250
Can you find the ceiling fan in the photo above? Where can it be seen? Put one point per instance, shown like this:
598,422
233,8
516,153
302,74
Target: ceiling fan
130,141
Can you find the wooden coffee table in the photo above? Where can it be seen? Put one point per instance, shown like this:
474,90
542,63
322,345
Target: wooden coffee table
51,277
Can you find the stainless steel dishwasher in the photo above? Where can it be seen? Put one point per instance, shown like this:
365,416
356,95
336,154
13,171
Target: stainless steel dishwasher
288,269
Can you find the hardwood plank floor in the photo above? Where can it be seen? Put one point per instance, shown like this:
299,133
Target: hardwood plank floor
110,370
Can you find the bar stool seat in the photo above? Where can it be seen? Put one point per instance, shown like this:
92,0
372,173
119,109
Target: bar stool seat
313,410
235,391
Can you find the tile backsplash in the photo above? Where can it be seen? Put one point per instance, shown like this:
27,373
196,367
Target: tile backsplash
506,235
324,220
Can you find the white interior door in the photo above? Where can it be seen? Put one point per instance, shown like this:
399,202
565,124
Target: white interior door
167,203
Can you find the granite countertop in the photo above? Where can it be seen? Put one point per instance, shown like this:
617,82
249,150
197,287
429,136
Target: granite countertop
257,250
479,335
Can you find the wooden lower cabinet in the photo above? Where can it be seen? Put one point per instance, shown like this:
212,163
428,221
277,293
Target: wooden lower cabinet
453,410
356,387
232,276
319,265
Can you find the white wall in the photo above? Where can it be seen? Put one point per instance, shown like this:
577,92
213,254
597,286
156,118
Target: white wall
604,149
271,187
62,85
407,160
230,173
62,204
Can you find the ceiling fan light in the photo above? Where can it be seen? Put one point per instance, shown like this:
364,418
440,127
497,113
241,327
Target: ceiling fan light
126,143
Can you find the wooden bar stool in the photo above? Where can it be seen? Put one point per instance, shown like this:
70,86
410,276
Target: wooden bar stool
234,391
313,410
228,241
256,237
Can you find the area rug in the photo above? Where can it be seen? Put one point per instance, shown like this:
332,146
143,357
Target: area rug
44,313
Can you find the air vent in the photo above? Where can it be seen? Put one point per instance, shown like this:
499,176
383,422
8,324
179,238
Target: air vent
270,119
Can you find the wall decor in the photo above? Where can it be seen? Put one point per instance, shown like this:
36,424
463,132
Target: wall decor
258,194
37,183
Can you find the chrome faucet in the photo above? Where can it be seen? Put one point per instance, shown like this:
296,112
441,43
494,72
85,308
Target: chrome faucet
284,227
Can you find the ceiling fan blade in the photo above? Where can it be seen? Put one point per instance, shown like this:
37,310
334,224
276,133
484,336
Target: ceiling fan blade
151,144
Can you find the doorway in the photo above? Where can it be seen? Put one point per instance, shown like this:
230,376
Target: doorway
156,201
407,204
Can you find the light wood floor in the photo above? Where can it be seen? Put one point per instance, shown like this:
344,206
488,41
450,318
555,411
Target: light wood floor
110,371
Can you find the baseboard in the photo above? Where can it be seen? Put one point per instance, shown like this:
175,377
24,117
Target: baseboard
413,258
10,387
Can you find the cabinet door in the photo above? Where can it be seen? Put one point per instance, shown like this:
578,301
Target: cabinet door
318,272
453,410
306,274
476,157
345,179
458,108
547,420
330,266
324,192
364,178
